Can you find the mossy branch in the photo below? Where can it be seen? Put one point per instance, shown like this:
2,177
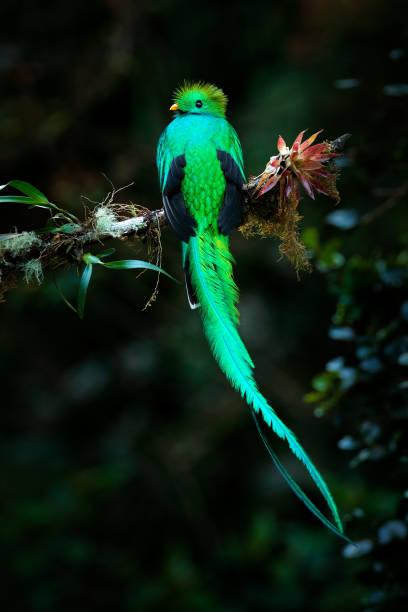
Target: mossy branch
65,239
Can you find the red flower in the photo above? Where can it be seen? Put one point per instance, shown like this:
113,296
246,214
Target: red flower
303,164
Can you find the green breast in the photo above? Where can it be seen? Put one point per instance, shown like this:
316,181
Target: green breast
198,137
204,183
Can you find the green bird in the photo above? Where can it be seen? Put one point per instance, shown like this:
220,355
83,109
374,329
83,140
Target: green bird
201,172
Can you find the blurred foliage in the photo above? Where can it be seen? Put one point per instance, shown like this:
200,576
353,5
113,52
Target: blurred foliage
130,476
366,387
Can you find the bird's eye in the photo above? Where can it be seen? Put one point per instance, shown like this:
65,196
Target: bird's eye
199,104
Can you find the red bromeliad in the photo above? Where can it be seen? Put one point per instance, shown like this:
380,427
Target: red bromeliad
303,164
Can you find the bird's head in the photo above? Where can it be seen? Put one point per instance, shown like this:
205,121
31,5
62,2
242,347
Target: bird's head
200,98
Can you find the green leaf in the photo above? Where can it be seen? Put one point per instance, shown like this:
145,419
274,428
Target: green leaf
124,264
67,302
67,228
15,199
83,288
30,191
33,197
88,258
106,253
131,264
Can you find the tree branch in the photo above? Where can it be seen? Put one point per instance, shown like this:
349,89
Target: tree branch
267,210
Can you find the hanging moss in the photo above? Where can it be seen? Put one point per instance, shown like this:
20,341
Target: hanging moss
20,244
33,270
267,216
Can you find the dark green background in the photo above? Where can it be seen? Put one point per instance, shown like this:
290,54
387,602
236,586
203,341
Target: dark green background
132,477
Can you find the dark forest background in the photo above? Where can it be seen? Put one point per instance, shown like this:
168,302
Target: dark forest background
132,477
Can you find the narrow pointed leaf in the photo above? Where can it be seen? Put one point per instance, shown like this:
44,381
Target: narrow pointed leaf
318,186
322,172
88,258
131,264
67,228
289,186
309,141
16,199
268,185
281,144
123,264
33,197
324,157
30,191
49,228
316,149
83,288
106,253
67,302
296,144
307,186
264,177
310,164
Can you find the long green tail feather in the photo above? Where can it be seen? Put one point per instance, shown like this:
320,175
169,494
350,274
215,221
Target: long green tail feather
205,273
211,274
295,487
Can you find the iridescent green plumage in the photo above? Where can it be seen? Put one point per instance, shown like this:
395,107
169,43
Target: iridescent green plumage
201,174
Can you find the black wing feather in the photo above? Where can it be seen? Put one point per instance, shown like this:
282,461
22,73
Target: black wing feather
230,214
178,217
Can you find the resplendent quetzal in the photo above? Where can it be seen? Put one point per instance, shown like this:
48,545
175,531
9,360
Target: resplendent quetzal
201,173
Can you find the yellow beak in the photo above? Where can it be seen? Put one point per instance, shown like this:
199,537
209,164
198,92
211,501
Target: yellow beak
174,107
